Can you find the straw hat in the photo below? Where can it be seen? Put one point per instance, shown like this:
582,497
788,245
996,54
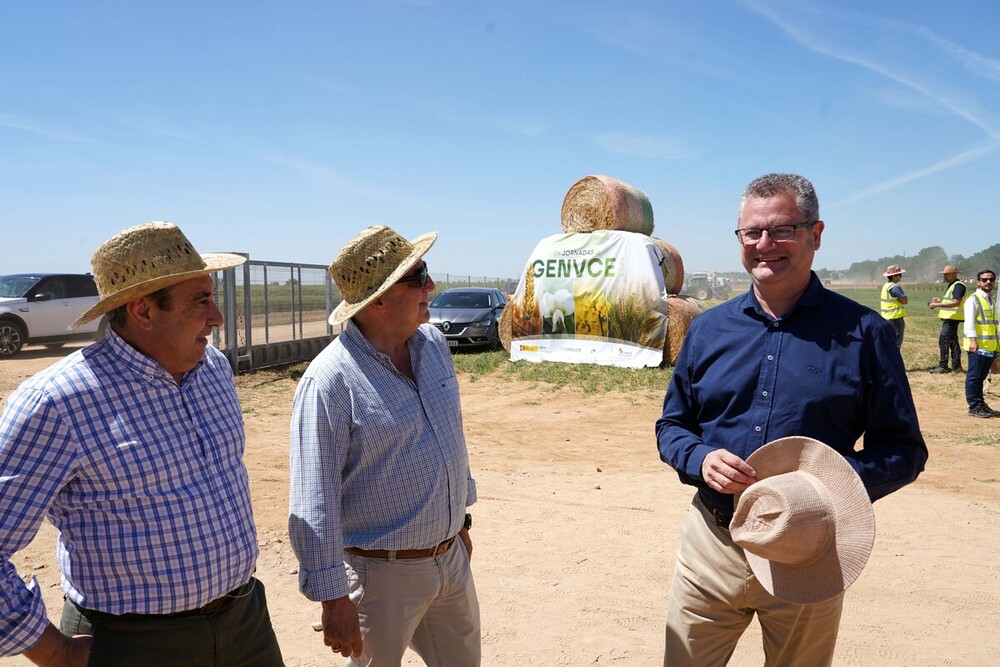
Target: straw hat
949,269
142,259
806,525
370,264
893,270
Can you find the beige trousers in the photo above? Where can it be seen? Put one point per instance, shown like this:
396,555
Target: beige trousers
714,596
427,604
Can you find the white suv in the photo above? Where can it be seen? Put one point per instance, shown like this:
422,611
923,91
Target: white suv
38,308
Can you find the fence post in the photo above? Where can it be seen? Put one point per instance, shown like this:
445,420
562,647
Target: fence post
248,313
229,294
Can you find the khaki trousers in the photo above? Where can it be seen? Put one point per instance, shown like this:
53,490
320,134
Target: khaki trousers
428,604
714,596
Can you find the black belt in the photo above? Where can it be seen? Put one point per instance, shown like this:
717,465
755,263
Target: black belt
210,608
721,520
217,604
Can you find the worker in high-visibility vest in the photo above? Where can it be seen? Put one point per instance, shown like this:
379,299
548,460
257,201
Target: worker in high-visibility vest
981,341
949,311
893,300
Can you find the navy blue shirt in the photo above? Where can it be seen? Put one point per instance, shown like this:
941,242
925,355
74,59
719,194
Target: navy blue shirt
829,369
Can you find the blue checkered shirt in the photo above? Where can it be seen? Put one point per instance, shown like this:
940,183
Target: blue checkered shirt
143,478
377,461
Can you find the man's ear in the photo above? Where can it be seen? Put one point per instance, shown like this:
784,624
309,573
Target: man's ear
139,313
817,232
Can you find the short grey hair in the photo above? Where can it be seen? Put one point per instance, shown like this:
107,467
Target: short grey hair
799,187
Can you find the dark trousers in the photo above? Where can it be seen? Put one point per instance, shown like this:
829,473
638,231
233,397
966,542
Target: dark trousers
979,368
237,635
898,326
948,344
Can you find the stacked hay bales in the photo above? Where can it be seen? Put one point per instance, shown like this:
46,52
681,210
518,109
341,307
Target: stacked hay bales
504,325
599,202
681,311
672,266
603,202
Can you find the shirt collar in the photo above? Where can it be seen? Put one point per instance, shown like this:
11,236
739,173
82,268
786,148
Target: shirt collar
352,335
813,296
141,365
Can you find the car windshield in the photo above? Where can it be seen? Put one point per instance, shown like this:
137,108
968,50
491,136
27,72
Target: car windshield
461,300
16,286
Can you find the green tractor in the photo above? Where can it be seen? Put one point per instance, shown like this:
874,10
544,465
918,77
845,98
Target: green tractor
707,285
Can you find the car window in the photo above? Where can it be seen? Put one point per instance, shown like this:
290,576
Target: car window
80,286
54,285
15,286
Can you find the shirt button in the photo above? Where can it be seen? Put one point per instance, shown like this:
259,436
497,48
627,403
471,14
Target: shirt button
775,325
757,428
770,357
763,393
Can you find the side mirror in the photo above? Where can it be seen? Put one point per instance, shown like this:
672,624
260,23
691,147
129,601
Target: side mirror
42,296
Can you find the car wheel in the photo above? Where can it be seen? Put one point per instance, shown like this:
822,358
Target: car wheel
11,338
701,294
494,338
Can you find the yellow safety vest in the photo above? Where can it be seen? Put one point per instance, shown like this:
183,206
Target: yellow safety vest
986,325
954,313
892,309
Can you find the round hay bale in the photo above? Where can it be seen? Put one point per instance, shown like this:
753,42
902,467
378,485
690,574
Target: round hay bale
672,267
602,202
681,311
504,326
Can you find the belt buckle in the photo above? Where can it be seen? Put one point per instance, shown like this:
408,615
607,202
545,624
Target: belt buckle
721,521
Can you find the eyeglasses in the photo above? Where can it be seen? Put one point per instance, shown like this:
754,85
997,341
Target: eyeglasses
778,233
419,278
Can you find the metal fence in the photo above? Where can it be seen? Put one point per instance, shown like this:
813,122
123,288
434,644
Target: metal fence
276,312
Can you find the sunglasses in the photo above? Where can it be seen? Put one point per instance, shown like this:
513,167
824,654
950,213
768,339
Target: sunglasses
419,278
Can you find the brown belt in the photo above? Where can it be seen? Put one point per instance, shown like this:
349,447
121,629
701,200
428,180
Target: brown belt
403,554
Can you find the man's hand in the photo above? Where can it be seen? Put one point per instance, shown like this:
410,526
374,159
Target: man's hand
725,472
341,630
466,540
934,303
973,345
58,650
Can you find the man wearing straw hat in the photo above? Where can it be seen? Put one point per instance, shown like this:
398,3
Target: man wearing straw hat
380,476
894,300
132,447
787,359
950,312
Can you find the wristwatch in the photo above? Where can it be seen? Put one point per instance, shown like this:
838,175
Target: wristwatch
468,521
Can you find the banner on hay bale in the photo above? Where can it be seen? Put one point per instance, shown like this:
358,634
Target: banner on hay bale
592,298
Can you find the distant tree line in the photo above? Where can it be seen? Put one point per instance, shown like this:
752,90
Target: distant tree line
924,266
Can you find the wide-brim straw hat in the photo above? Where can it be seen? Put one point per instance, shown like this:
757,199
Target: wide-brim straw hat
949,269
806,525
370,264
893,270
142,259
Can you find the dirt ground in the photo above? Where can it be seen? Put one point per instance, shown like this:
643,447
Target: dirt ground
576,529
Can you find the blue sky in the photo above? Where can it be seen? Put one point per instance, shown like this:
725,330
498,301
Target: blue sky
282,128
